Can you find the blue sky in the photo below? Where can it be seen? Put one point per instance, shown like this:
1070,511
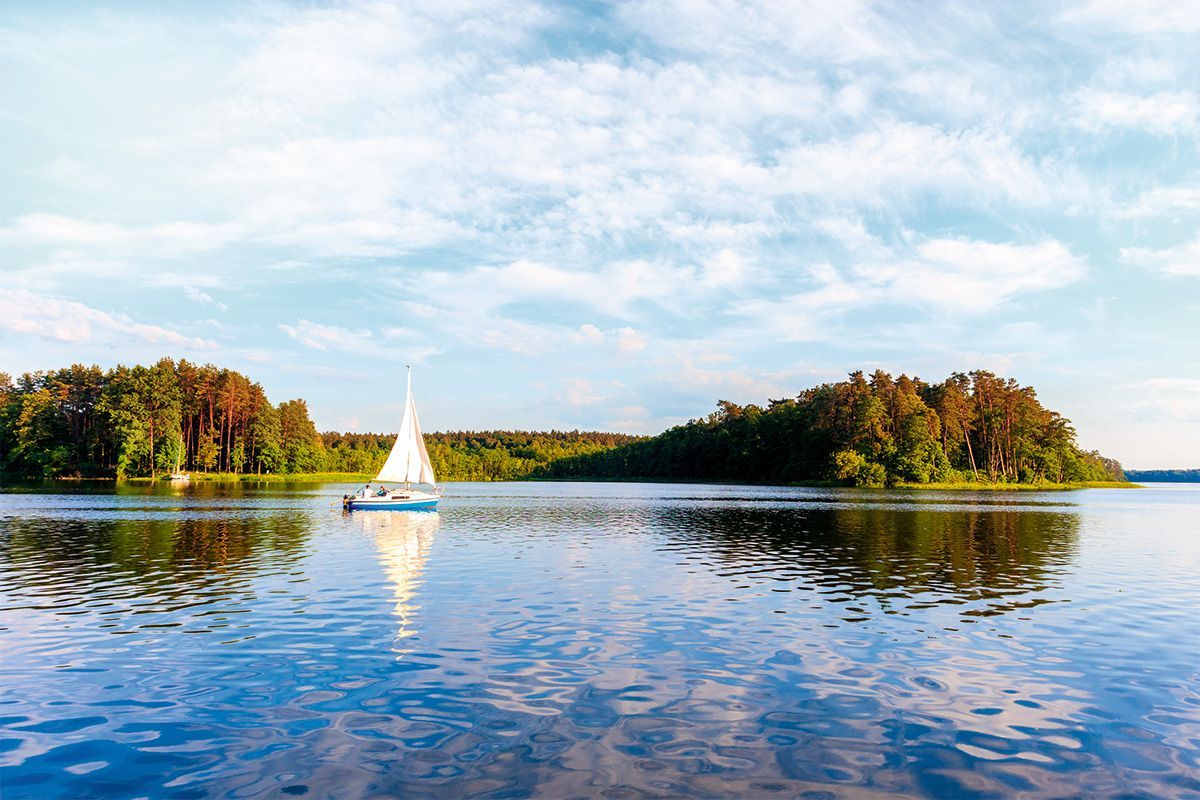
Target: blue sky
612,215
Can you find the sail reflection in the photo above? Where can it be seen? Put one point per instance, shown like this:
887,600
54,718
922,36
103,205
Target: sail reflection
403,539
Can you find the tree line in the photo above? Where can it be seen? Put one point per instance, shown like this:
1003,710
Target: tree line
145,421
864,431
139,421
473,455
1164,475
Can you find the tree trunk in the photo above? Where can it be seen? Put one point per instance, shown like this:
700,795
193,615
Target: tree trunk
971,454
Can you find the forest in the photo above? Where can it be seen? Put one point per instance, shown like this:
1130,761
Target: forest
1164,475
876,431
146,421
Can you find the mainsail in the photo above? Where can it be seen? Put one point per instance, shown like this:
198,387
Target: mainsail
408,462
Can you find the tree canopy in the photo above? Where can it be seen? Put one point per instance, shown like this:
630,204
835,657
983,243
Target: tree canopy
133,421
867,431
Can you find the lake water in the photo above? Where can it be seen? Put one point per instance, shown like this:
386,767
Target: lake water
599,640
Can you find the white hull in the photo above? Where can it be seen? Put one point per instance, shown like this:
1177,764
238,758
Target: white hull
399,500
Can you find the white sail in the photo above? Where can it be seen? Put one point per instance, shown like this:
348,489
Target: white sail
408,462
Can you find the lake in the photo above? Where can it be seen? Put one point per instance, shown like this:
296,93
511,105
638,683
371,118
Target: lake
599,640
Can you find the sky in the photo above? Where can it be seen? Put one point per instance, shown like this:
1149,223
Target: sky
611,215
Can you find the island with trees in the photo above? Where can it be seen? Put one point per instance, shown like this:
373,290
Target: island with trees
974,429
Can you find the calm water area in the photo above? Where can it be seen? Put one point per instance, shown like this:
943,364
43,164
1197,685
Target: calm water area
599,640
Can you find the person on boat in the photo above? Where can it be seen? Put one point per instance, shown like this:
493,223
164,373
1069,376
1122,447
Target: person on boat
382,491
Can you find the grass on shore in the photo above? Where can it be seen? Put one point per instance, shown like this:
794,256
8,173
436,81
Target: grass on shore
1045,486
955,486
354,477
273,477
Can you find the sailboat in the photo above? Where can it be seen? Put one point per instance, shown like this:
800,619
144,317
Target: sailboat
408,463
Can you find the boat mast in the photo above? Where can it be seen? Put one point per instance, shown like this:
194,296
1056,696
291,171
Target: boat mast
407,400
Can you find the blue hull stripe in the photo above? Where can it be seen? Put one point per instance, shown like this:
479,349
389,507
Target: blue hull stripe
393,506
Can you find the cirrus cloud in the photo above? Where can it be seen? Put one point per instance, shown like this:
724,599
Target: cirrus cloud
1180,260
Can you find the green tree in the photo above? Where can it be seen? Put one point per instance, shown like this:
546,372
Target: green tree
302,448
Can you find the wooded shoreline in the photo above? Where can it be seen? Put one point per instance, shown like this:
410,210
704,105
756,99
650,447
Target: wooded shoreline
970,430
343,477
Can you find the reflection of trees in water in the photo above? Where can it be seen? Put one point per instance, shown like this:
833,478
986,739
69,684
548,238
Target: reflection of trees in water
403,539
883,552
155,558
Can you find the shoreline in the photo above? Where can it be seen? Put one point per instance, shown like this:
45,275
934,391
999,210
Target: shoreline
353,477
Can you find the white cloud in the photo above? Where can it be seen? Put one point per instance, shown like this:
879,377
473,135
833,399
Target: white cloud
498,333
969,276
616,288
398,344
721,29
737,383
66,321
1180,260
1161,201
202,297
324,337
1162,113
898,161
1141,71
626,340
951,276
630,340
1176,17
163,239
807,315
589,333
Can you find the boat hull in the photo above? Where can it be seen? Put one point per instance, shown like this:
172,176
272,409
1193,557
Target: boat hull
391,503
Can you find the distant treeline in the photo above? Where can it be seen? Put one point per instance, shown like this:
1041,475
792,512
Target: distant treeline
473,455
867,432
146,421
1164,475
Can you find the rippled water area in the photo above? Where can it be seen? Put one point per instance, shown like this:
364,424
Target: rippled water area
599,640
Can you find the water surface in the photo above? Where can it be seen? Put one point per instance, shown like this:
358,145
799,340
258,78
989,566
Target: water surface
614,640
